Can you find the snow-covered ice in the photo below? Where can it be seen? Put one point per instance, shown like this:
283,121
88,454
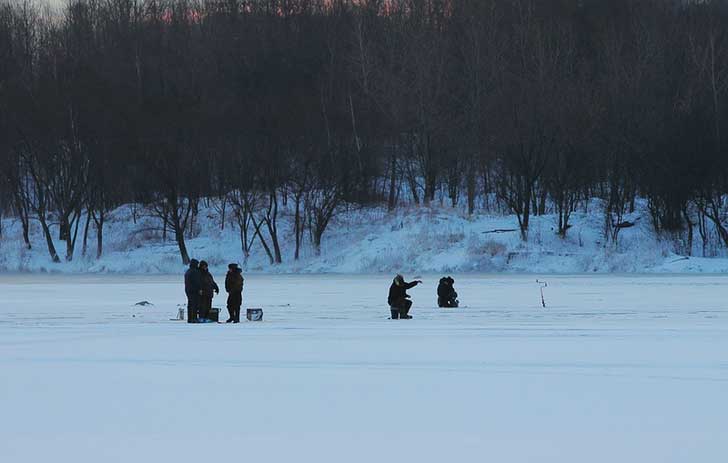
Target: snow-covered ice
616,369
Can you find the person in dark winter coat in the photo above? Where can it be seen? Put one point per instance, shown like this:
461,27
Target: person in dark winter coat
234,287
398,300
207,287
446,294
193,285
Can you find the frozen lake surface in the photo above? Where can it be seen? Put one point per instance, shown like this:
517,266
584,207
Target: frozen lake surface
631,368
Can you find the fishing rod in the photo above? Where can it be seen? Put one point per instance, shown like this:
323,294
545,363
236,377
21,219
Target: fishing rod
542,285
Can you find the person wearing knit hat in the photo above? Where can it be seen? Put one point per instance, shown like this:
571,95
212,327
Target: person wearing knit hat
234,286
193,284
398,300
206,291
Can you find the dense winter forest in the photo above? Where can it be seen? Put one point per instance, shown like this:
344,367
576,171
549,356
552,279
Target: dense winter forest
520,106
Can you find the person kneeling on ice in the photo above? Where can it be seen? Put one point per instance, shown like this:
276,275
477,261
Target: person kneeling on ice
207,286
234,287
399,303
193,284
446,294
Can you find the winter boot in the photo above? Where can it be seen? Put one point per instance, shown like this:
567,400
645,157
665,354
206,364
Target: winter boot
395,313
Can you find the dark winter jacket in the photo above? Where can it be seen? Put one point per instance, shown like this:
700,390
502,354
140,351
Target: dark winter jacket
208,284
234,287
398,292
445,290
193,280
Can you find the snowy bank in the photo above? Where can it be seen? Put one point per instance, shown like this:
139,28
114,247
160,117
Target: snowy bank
436,239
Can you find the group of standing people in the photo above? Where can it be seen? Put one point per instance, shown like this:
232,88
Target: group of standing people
200,288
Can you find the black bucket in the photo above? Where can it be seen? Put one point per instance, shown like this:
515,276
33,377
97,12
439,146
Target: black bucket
214,314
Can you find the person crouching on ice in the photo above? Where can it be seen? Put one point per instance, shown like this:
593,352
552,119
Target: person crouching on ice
234,287
399,303
446,295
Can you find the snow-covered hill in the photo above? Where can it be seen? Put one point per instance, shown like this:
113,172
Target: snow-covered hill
412,240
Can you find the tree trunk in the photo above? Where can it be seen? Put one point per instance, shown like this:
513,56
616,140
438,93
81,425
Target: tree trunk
49,239
85,232
470,180
274,238
241,216
165,224
179,235
526,213
270,222
317,235
542,203
71,241
430,184
690,231
392,182
413,186
243,241
223,209
702,230
64,227
453,189
26,231
23,214
298,228
257,226
100,236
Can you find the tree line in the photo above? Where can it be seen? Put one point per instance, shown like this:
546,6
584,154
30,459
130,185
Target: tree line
524,106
